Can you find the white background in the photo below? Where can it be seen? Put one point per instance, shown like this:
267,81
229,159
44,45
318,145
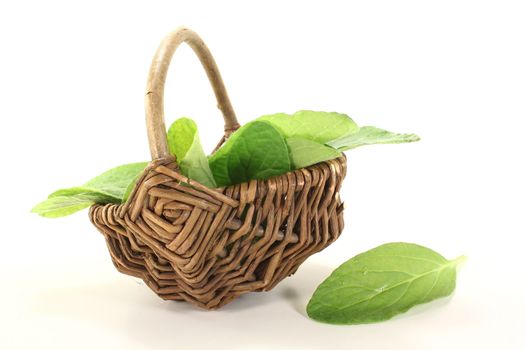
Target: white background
72,78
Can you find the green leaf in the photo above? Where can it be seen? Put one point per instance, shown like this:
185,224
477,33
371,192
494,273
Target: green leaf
184,143
321,127
130,188
218,161
305,152
270,146
181,136
72,191
381,283
115,181
255,151
369,135
58,206
109,187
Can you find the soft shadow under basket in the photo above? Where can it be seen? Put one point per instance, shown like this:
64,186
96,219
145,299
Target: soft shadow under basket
208,246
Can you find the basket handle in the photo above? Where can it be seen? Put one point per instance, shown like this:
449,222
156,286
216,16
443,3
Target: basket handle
155,88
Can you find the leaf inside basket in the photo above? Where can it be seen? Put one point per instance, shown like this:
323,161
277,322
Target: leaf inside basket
109,187
320,127
115,181
369,135
184,143
304,152
255,151
63,205
268,146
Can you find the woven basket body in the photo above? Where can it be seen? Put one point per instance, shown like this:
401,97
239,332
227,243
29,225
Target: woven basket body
208,246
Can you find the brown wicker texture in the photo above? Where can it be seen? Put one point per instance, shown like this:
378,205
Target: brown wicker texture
208,246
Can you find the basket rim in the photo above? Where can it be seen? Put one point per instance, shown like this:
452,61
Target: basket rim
219,191
172,159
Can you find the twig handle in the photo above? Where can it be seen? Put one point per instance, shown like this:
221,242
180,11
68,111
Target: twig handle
155,88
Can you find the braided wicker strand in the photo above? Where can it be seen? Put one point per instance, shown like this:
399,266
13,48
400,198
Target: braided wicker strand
209,246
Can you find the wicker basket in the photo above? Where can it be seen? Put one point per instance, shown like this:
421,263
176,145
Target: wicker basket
209,246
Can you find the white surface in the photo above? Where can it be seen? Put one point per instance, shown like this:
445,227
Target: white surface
71,84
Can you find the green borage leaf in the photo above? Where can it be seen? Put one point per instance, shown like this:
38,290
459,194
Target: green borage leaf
255,151
320,127
109,187
369,135
313,137
310,137
58,206
305,152
271,145
381,283
115,181
185,145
